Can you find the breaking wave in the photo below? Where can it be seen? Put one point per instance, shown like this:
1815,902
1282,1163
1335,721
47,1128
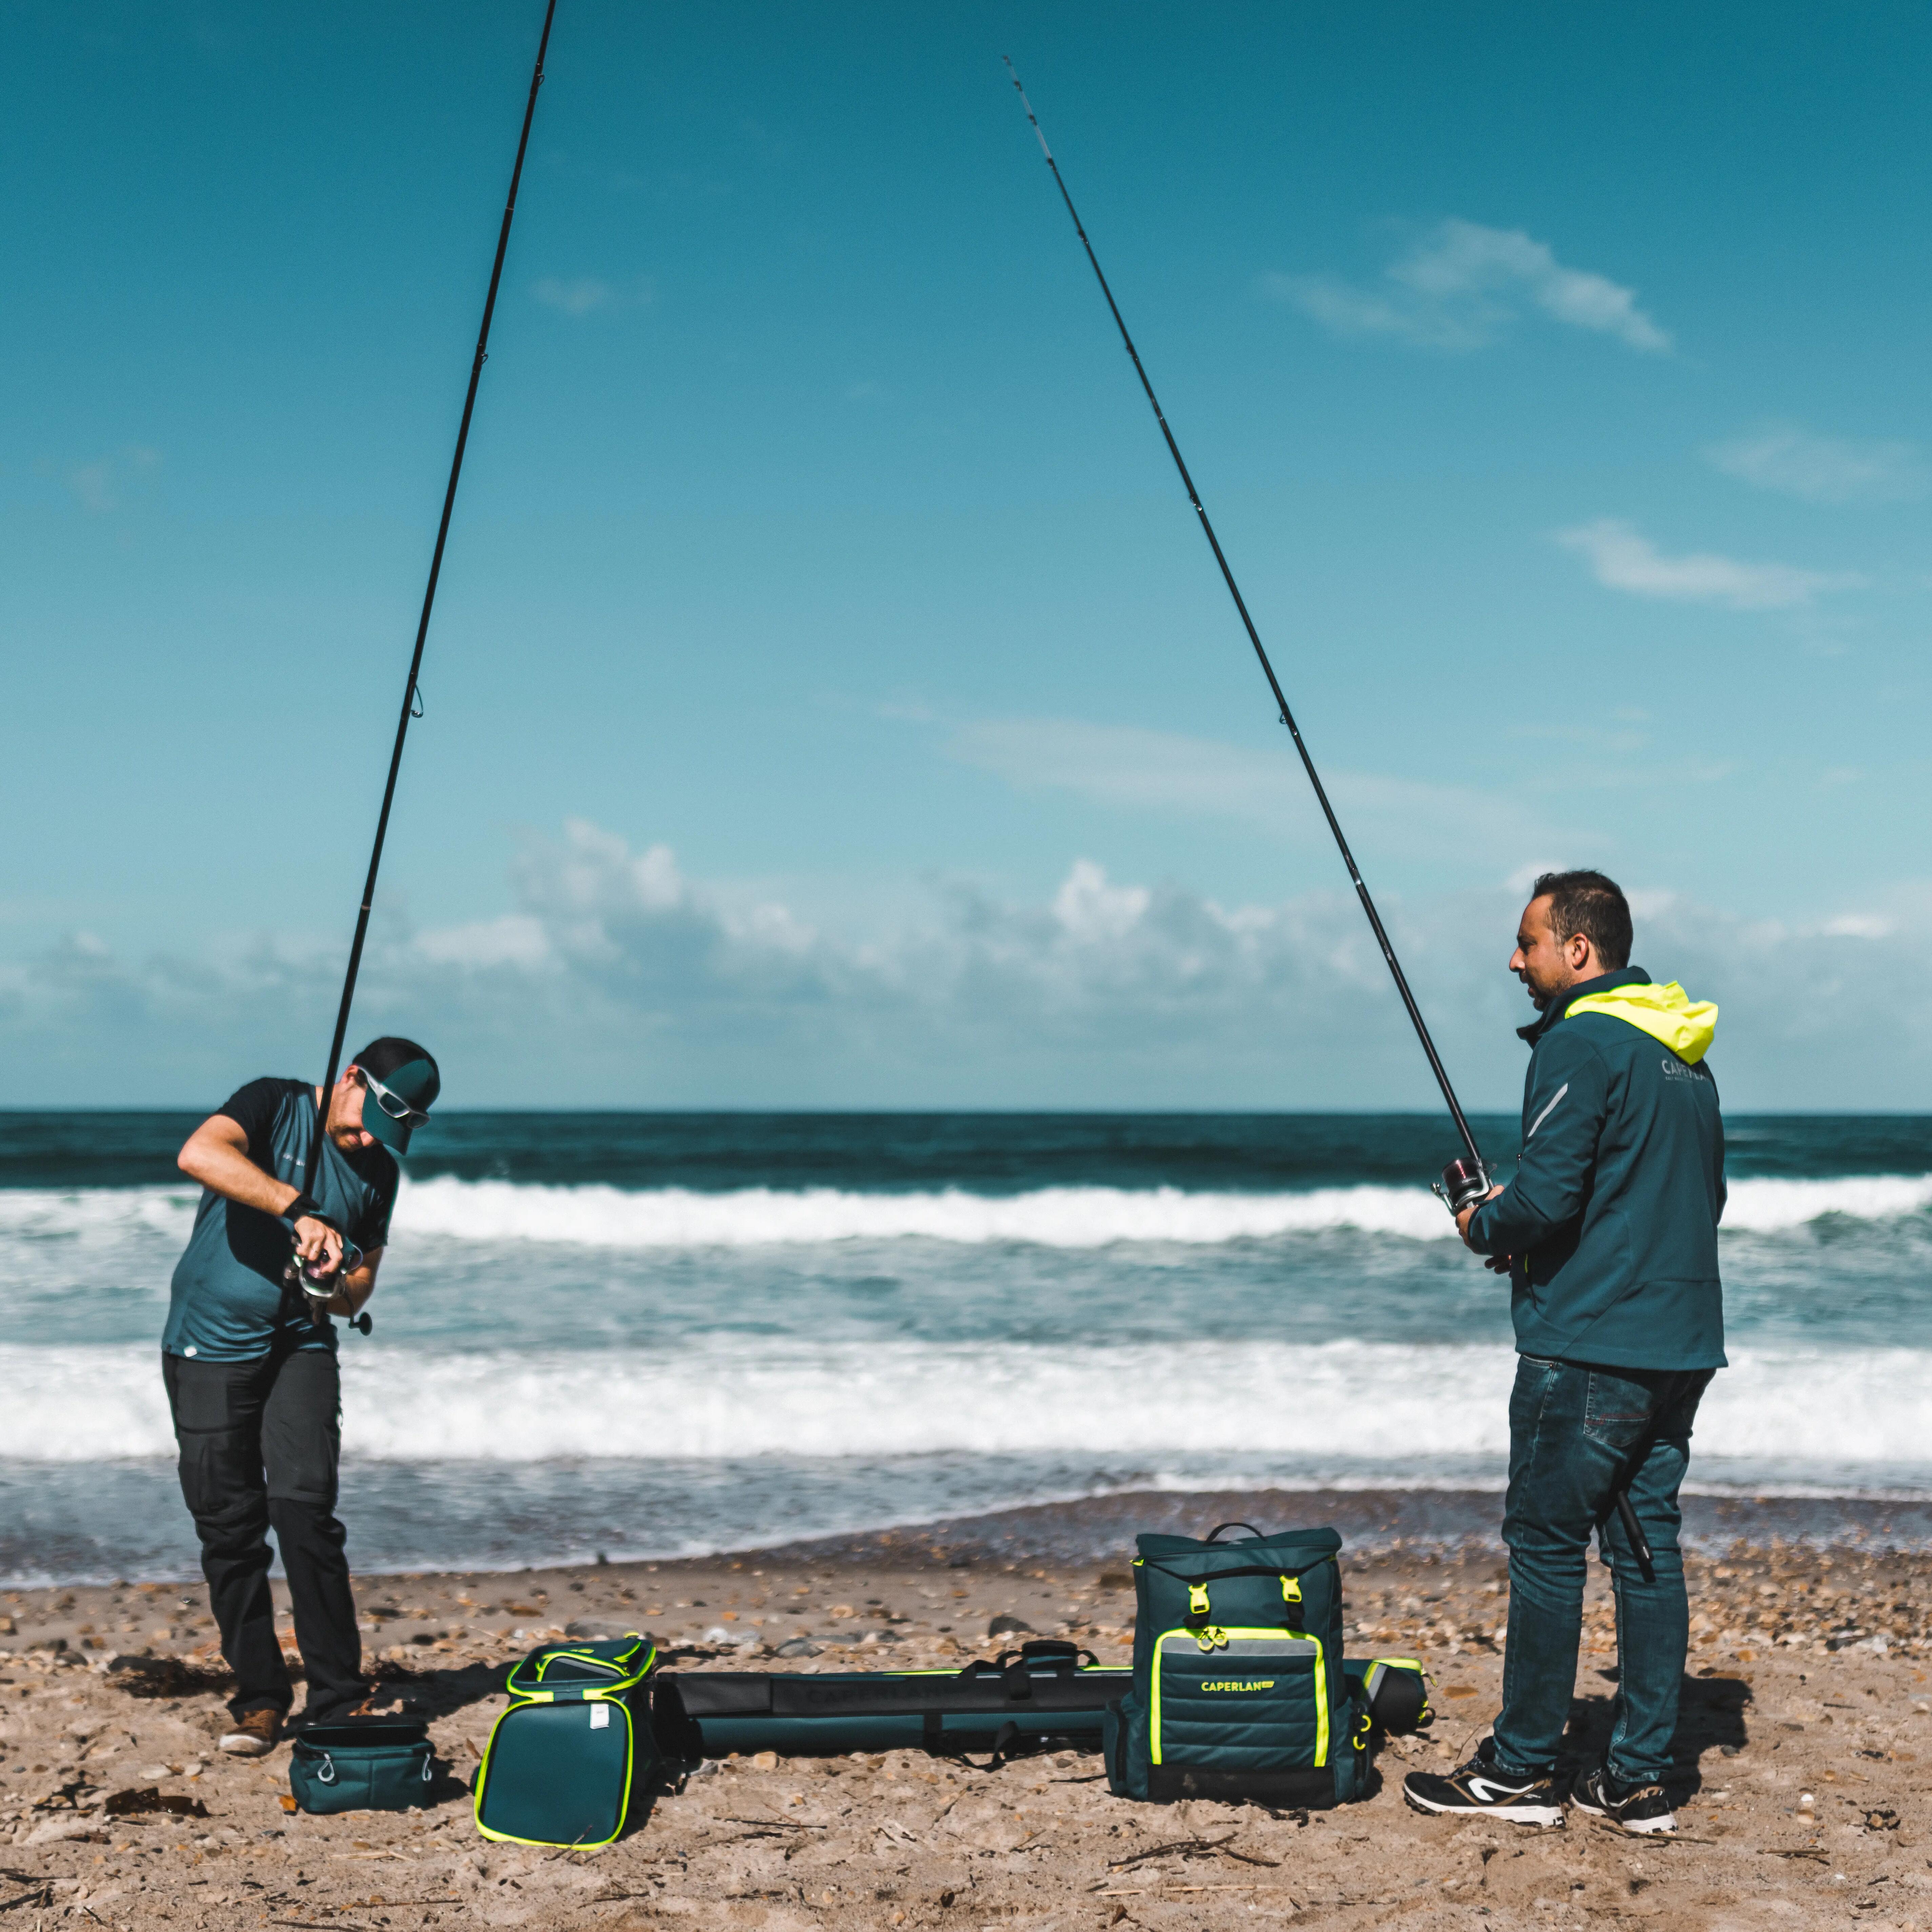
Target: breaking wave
1053,1217
1404,1412
601,1216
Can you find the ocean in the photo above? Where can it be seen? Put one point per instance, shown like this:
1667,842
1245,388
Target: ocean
663,1334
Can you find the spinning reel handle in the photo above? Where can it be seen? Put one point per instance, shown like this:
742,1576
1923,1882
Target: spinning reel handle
1463,1184
319,1286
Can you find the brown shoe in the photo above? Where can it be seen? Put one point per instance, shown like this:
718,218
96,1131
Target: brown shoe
254,1736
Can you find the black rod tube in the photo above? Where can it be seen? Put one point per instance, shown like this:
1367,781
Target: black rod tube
1435,1065
422,626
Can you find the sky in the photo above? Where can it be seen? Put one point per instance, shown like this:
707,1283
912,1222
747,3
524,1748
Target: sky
830,700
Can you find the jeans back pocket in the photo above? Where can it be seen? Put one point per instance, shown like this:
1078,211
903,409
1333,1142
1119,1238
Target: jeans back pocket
1618,1410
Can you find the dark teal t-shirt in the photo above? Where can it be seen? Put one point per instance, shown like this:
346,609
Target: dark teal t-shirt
227,1302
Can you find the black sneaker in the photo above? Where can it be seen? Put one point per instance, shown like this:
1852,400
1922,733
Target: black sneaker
1477,1789
1637,1807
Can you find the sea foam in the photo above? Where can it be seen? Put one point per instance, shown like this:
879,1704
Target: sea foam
1796,1414
1057,1217
602,1217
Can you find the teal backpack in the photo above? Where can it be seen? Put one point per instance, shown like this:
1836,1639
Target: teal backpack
1239,1691
573,1752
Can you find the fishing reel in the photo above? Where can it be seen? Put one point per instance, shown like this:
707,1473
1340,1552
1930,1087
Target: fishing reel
1464,1184
320,1284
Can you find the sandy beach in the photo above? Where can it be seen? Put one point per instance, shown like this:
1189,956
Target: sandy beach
1804,1752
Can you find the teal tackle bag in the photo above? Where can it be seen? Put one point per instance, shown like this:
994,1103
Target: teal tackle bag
370,1764
1239,1690
1048,1690
574,1753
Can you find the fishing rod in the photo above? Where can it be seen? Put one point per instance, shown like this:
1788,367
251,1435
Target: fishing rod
412,695
1463,1181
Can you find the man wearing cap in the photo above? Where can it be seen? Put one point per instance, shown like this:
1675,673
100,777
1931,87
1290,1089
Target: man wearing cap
251,1371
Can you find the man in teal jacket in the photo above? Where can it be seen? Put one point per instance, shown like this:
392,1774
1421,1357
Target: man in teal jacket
1608,1233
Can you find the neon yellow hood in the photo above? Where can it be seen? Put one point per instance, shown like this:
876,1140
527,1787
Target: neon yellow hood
1667,1013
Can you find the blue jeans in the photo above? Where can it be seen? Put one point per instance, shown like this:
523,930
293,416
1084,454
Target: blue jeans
1576,1434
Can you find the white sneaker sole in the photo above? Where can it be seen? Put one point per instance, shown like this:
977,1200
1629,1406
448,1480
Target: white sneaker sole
1641,1827
1514,1814
239,1744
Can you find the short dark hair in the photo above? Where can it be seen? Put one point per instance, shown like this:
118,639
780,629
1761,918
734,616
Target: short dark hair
1589,904
382,1057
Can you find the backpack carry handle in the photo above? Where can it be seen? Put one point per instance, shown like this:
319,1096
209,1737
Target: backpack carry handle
1214,1533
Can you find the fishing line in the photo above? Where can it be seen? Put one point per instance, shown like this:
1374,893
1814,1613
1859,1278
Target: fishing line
411,691
1478,1179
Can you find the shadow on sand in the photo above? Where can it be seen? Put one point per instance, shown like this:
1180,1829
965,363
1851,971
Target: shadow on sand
1710,1716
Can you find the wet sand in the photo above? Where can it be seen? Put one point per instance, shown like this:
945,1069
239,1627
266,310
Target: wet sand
1807,1679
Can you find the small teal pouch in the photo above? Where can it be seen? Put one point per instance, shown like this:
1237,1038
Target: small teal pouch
368,1765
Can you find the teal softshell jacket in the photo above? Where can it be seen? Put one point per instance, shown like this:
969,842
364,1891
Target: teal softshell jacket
1611,1221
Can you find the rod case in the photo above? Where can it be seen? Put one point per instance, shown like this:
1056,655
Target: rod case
1042,1692
1046,1690
574,1751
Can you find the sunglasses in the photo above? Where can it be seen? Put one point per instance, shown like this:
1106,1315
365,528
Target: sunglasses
394,1104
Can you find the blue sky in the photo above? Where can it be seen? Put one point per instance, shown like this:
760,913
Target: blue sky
829,700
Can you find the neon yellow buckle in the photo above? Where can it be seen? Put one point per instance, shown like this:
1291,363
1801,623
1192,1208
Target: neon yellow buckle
1291,1591
1197,1600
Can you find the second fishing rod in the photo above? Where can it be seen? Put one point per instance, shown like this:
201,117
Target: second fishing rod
1465,1181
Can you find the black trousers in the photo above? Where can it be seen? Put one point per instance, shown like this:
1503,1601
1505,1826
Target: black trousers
260,1445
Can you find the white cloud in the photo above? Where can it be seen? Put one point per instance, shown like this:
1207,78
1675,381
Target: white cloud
93,485
1124,766
98,486
1621,558
617,979
1088,908
587,295
1127,767
512,939
1822,469
1464,285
